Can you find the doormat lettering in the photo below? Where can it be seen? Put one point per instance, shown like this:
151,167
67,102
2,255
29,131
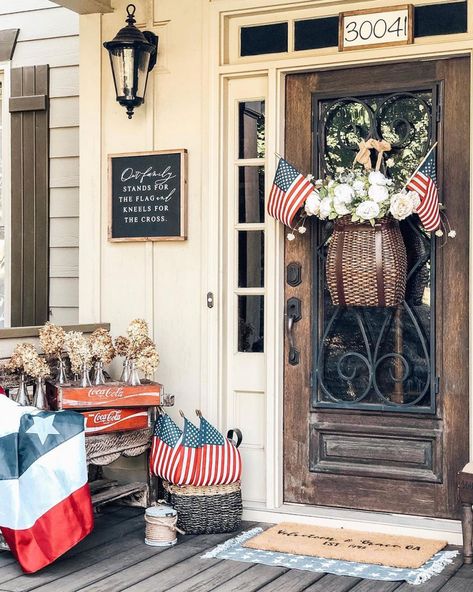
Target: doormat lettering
347,545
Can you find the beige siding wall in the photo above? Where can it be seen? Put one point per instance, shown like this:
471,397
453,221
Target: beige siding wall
49,34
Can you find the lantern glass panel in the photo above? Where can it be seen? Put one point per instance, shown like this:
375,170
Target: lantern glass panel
130,72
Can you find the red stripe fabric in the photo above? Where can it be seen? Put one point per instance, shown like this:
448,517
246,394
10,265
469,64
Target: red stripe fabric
220,464
428,210
57,531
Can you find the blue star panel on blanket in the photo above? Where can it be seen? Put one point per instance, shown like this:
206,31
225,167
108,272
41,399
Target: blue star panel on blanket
37,435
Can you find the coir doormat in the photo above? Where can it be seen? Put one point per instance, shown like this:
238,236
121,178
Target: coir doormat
346,545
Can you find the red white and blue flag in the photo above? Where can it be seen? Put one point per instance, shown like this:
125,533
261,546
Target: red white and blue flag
424,182
220,460
45,503
289,191
166,448
189,458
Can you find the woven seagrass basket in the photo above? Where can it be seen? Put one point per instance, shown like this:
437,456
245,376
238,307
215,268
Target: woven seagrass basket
366,265
206,510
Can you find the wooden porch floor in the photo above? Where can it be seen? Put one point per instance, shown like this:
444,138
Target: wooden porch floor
115,558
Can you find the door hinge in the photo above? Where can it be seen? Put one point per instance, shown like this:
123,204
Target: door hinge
439,112
311,379
437,385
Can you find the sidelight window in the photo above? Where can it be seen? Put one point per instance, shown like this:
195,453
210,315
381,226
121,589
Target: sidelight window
249,226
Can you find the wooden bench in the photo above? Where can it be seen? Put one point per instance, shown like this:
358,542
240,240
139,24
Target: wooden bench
465,493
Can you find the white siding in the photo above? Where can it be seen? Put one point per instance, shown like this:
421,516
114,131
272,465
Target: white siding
49,34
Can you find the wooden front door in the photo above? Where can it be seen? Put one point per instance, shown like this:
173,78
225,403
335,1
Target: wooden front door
376,401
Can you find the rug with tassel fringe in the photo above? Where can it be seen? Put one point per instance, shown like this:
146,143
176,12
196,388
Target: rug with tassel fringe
240,549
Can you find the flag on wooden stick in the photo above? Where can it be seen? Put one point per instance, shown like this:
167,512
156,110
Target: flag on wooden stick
423,181
289,191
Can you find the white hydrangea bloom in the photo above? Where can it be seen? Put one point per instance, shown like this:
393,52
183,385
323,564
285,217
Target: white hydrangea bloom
325,208
340,207
344,193
312,204
377,178
378,193
402,205
367,210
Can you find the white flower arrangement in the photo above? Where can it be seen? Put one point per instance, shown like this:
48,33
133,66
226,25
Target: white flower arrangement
365,196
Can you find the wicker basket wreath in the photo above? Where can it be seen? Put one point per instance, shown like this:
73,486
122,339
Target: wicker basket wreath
366,265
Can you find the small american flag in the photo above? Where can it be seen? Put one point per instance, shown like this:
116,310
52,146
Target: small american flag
424,183
189,457
289,191
220,460
166,449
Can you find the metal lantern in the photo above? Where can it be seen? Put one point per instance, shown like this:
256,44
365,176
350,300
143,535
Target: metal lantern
133,55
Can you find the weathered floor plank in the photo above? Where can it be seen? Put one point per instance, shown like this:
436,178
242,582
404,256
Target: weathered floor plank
177,560
375,586
103,568
167,570
208,578
120,538
114,559
435,583
251,579
461,581
331,583
294,580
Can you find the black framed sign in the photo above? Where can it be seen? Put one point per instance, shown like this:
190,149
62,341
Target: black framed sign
148,196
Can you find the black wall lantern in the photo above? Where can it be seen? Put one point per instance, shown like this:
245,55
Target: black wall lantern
133,55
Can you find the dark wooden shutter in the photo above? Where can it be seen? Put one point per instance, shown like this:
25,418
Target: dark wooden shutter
29,195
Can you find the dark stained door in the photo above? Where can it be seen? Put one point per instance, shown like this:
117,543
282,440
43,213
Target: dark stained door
376,401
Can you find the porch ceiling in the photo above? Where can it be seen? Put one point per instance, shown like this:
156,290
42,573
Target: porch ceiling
86,6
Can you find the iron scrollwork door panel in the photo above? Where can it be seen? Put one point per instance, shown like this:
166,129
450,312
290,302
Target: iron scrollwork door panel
376,358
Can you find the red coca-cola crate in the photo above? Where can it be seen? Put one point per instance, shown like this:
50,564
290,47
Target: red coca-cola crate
103,421
111,394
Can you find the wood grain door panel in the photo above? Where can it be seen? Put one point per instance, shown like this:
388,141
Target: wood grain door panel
381,460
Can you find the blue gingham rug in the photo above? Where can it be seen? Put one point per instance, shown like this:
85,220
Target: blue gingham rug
233,549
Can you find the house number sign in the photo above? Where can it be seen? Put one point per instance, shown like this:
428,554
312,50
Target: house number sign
376,27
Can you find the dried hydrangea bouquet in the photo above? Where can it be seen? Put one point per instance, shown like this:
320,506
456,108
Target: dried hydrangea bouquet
26,362
139,352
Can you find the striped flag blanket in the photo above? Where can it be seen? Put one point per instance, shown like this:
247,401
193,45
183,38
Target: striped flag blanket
45,503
